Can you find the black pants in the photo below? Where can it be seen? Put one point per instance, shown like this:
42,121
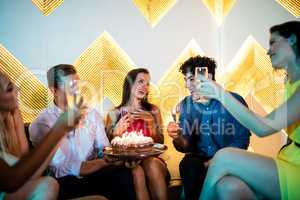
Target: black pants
113,182
193,172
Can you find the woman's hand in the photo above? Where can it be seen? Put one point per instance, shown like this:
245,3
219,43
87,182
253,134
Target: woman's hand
70,119
122,125
209,88
142,114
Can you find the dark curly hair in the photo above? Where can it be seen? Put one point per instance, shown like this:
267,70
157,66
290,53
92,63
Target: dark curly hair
199,61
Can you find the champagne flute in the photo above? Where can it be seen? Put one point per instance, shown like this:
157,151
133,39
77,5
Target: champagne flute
175,112
72,93
204,72
73,96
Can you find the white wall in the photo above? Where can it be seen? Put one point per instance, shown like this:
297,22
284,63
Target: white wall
40,42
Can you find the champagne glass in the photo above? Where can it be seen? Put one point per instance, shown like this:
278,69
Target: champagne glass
204,72
175,112
72,93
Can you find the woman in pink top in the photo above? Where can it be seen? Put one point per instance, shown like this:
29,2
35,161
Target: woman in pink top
135,113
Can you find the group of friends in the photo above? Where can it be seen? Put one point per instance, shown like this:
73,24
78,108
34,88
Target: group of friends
214,135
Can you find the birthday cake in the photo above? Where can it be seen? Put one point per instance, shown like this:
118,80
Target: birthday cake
132,142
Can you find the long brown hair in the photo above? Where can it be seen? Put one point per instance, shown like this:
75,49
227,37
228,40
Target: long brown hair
127,85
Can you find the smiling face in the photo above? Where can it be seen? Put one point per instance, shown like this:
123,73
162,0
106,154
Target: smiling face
280,51
190,84
140,87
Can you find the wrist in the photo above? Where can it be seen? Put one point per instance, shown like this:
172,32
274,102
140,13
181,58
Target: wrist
221,94
60,127
177,137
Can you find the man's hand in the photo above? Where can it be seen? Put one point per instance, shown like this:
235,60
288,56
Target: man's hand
173,130
132,163
113,161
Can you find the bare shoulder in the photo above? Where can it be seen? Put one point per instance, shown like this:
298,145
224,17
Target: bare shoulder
155,109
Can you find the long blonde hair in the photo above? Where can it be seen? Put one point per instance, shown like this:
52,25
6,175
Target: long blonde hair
9,140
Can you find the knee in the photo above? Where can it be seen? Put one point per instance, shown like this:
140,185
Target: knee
223,155
152,168
227,186
224,152
138,174
138,171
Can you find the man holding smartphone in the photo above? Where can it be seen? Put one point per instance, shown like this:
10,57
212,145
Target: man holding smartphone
204,128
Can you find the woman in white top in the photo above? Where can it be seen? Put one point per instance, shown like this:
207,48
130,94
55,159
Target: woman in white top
21,169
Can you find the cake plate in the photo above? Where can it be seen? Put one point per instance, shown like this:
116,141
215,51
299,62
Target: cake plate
156,150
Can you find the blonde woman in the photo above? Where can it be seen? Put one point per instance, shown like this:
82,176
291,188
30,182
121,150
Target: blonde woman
21,169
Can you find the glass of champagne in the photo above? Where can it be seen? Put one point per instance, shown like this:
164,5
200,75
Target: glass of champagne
72,93
204,72
175,112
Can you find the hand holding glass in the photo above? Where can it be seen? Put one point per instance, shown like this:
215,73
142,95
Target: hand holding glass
204,72
175,112
72,93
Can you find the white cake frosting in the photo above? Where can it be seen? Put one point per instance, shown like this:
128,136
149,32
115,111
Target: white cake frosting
131,139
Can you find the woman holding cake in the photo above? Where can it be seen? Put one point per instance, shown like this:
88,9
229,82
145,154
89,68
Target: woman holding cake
135,113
